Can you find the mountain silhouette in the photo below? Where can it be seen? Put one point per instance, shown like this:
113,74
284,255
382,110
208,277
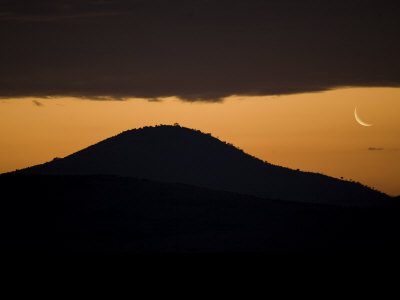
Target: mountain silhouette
182,155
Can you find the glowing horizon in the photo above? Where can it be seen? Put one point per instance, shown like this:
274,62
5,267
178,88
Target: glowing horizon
313,132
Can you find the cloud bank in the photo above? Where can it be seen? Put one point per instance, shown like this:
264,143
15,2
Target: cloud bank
196,50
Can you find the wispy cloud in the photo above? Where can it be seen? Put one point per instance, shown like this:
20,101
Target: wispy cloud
37,103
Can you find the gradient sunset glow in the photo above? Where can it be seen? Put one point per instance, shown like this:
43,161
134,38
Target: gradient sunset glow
311,131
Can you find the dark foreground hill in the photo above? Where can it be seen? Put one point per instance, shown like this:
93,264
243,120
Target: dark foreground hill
177,154
108,214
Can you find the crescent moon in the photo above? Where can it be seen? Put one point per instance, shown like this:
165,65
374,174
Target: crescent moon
359,120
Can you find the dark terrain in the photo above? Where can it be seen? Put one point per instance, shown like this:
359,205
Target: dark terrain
169,189
108,214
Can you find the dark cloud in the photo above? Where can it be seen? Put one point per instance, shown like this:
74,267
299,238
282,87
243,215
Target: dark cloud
375,149
198,50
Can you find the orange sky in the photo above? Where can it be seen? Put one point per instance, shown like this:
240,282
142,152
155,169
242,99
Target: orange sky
312,131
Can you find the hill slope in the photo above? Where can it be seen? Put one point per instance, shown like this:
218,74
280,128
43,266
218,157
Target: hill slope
177,154
108,214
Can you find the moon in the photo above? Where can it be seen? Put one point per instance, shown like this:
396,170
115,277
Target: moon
359,120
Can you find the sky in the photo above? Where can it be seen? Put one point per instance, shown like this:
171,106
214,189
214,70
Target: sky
279,79
311,131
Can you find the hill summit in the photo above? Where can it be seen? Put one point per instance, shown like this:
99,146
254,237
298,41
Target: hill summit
178,154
